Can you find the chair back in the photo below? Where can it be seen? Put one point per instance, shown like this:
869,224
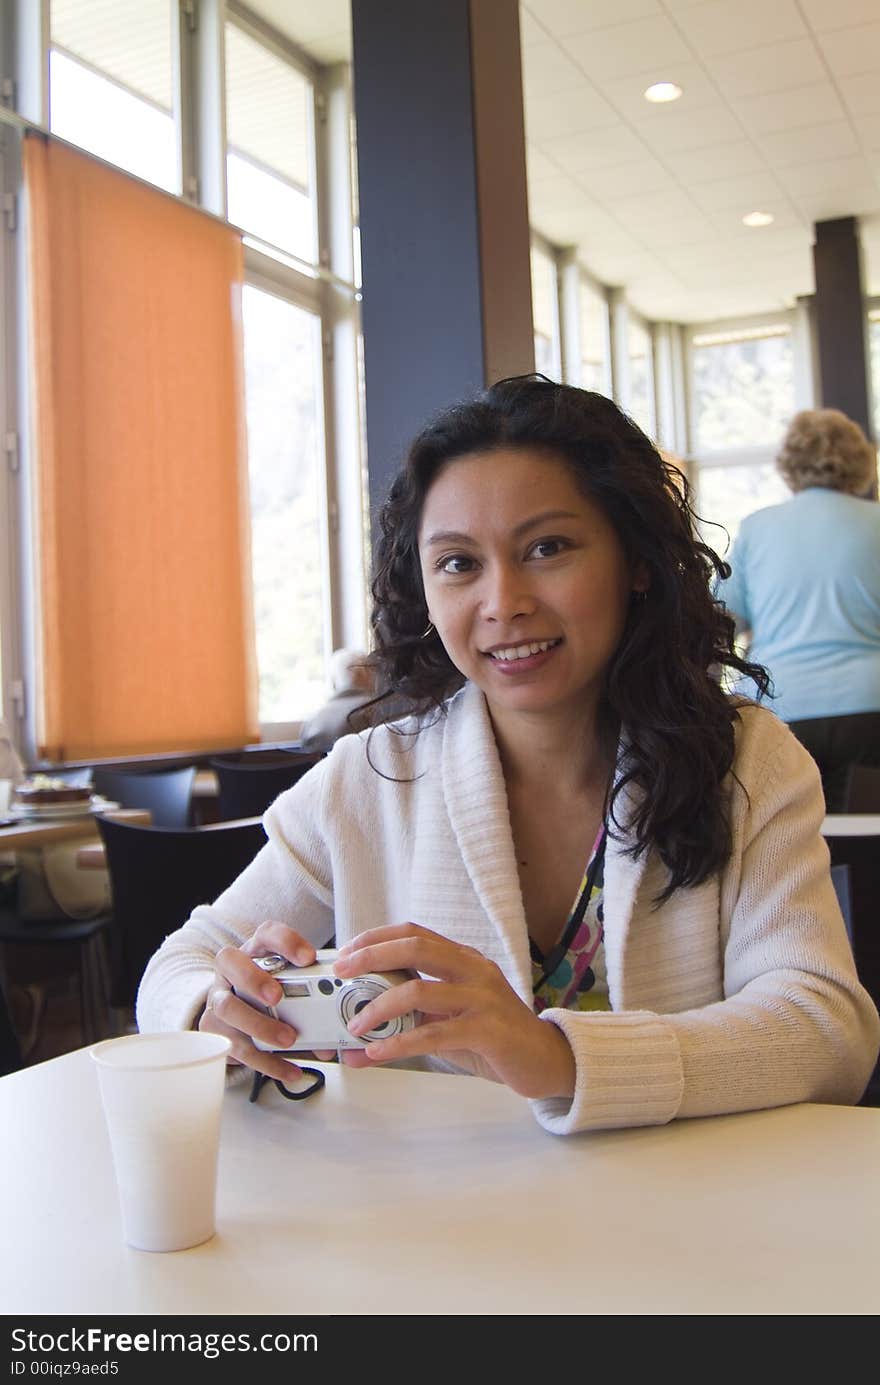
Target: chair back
245,788
862,789
158,876
840,879
10,1048
166,793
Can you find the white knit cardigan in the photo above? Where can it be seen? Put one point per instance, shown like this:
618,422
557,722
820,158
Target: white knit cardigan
738,994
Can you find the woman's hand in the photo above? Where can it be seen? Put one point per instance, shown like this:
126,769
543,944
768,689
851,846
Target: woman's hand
230,1013
472,1017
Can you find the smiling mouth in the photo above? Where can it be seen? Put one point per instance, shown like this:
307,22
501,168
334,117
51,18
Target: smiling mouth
512,652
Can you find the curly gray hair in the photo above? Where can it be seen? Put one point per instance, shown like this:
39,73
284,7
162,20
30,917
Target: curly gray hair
825,448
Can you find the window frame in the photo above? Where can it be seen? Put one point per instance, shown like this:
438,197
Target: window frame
325,288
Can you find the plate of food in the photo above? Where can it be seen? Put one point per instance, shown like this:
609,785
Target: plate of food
43,796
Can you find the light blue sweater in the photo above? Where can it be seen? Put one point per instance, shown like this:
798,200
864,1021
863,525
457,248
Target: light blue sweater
806,582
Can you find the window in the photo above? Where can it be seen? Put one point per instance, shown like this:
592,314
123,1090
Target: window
545,314
110,84
594,340
282,348
743,387
727,493
269,165
641,376
743,393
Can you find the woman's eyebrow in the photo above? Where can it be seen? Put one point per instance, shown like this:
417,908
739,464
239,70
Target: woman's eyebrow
452,536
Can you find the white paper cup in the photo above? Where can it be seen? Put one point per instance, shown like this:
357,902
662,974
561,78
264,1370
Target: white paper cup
163,1097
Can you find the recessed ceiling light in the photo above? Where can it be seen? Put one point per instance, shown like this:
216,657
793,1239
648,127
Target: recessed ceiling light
663,91
757,219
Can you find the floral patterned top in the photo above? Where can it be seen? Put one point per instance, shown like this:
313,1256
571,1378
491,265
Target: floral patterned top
572,975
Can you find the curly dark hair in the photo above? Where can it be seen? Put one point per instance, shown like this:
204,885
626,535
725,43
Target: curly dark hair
662,698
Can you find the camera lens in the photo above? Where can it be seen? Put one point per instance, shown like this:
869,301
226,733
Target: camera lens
325,986
361,1005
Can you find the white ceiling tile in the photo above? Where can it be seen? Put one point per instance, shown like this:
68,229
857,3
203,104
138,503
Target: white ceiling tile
861,94
596,149
547,71
623,179
822,15
539,165
771,68
551,194
791,147
850,51
609,238
693,230
868,127
725,27
790,110
530,31
851,199
825,175
678,130
627,94
643,211
643,45
569,113
564,17
748,191
694,166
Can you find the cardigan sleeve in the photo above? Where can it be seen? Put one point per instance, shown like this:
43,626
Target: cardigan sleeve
288,881
794,1024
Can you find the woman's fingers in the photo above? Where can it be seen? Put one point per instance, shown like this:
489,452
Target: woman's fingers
434,998
245,1052
237,1014
419,950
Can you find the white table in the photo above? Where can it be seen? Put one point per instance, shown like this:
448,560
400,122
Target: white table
851,825
398,1192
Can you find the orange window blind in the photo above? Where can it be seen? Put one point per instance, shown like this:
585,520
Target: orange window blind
143,564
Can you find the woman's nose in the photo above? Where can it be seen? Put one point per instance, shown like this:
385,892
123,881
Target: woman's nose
506,594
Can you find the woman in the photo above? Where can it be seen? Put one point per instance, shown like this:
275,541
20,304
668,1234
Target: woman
805,586
543,602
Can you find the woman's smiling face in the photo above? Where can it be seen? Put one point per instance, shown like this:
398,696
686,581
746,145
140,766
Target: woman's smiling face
525,579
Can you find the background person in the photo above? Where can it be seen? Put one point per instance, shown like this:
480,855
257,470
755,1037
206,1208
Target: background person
805,584
608,874
353,684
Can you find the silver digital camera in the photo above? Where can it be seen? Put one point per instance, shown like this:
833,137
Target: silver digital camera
319,1005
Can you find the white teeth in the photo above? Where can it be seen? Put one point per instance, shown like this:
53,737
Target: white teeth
522,651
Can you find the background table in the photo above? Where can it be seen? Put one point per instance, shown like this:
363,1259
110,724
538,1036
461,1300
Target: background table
29,834
398,1192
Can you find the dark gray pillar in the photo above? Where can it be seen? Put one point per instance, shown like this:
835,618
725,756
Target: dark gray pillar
443,211
840,320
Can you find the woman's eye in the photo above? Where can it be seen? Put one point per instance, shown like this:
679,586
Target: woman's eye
455,563
548,548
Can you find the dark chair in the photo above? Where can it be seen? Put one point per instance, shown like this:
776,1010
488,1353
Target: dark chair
840,879
84,942
860,857
10,1049
862,789
246,788
166,793
158,876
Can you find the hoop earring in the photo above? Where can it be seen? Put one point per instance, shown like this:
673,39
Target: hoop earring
425,633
